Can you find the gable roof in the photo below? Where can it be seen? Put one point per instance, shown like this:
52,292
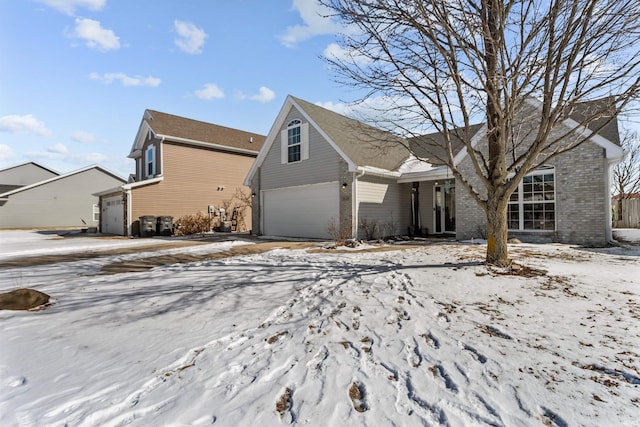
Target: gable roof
364,145
194,132
606,125
602,131
359,144
433,146
59,177
31,164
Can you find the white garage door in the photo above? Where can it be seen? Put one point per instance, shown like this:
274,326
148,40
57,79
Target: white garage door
112,215
303,211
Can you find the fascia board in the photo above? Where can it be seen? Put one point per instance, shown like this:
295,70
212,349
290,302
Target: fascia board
612,150
142,183
141,136
193,142
351,165
271,136
431,175
474,141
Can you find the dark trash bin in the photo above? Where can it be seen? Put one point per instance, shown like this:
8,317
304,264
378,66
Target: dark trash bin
225,227
165,226
147,226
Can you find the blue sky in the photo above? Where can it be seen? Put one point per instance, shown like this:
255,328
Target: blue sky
77,75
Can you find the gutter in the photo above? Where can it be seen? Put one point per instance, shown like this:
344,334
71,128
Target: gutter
207,145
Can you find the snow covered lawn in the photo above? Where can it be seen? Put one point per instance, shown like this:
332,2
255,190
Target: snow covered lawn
410,337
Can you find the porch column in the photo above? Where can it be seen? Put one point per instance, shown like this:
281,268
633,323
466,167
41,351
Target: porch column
415,202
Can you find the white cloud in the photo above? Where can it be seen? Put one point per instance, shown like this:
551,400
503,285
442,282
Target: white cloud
94,35
55,152
58,148
337,53
210,91
23,124
264,95
190,38
126,80
84,137
6,152
316,22
69,6
337,107
91,158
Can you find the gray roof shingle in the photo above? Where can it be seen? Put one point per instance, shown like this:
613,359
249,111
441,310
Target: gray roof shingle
195,130
365,145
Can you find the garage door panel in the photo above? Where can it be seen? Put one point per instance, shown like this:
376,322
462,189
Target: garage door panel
303,211
112,215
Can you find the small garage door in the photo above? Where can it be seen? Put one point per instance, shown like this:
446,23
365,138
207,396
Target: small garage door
303,211
112,215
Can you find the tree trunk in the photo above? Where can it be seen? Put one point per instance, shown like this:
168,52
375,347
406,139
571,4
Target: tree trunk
497,235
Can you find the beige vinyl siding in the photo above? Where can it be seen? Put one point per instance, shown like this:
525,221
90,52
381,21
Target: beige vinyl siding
193,179
65,202
321,166
385,202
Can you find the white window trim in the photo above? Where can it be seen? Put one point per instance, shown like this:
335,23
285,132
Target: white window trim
96,211
544,170
151,149
304,141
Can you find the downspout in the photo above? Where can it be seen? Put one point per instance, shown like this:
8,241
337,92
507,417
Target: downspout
607,193
354,203
161,159
129,207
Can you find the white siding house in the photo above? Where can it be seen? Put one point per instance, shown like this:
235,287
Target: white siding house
62,201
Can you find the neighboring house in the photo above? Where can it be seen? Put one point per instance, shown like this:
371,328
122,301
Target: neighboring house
318,168
60,201
24,174
183,166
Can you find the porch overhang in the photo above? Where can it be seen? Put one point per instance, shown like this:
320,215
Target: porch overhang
440,172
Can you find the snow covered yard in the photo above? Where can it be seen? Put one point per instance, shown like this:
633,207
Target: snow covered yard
418,336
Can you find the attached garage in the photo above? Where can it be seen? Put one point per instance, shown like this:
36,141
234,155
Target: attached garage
302,211
112,215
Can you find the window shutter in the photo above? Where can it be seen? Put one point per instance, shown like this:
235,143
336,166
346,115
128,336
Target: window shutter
304,141
284,152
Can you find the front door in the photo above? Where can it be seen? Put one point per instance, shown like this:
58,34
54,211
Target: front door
444,208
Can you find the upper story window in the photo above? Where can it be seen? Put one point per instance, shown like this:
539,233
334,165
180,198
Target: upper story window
295,142
533,205
150,162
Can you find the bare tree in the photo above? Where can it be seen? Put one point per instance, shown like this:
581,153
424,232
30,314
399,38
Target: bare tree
445,64
626,174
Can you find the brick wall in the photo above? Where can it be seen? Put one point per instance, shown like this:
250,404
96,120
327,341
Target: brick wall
581,203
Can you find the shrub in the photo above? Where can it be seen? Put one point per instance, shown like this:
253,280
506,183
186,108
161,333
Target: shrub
340,232
193,224
369,227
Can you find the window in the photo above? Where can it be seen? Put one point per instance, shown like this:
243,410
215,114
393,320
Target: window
295,142
532,206
96,213
150,161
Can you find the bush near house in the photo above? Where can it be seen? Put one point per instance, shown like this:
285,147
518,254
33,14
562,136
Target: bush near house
193,224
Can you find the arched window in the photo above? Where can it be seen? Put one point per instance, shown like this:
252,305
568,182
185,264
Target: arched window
294,140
